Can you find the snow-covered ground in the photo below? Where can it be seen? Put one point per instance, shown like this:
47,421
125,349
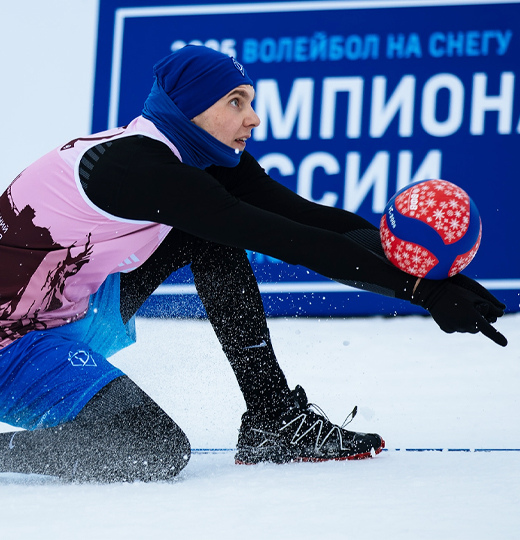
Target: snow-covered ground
413,384
418,387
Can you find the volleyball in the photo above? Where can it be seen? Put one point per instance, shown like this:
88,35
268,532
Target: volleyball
431,229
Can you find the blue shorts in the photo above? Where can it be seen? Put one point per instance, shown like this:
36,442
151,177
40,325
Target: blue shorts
48,376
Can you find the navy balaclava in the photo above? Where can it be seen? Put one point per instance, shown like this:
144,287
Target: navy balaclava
187,82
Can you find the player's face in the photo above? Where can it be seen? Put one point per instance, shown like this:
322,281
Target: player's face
232,118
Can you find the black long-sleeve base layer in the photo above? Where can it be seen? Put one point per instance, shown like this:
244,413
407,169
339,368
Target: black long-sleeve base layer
140,178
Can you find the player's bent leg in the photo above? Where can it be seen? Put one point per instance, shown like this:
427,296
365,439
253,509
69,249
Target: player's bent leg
139,440
120,435
229,291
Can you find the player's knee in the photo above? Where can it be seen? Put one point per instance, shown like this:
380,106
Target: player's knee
129,437
170,453
139,444
158,447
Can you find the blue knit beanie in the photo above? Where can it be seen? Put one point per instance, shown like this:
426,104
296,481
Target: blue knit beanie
196,77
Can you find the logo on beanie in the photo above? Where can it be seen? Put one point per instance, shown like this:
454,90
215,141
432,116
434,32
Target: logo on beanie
239,66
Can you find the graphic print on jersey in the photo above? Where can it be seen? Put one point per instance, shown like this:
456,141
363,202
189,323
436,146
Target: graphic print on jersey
23,247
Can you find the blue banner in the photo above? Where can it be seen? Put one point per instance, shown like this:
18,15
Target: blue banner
357,99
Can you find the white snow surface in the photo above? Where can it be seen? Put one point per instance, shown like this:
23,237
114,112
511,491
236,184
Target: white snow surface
413,384
417,387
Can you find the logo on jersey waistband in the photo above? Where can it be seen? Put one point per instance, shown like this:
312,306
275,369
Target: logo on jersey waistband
81,358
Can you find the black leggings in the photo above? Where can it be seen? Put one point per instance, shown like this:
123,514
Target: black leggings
122,434
229,292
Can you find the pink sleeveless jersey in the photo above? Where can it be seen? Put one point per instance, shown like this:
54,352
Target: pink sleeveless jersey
56,247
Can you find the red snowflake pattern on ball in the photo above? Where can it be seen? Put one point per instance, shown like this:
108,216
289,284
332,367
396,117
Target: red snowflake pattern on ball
440,204
463,260
407,256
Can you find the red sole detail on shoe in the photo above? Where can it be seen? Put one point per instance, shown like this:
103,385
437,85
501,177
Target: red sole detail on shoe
364,455
380,449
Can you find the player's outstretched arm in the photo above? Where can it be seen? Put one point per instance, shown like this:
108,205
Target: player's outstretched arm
460,304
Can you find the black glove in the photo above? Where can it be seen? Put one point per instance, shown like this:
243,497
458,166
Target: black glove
460,304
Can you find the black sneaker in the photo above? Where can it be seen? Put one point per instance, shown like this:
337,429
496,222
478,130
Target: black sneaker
302,434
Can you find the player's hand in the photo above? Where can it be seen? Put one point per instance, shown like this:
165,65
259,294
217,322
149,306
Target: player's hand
460,304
